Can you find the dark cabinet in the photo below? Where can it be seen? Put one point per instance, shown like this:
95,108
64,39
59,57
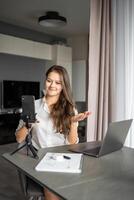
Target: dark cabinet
8,125
82,131
82,107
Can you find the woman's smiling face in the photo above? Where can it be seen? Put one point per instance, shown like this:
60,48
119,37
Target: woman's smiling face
53,84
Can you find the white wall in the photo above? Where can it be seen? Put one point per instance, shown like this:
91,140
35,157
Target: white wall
79,46
79,80
22,59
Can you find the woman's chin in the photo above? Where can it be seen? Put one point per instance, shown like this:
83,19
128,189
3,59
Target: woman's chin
51,94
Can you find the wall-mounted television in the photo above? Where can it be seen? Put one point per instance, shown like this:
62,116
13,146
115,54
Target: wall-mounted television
13,90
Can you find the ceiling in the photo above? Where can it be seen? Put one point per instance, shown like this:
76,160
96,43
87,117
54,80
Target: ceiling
25,13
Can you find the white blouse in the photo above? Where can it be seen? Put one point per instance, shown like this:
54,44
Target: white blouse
43,132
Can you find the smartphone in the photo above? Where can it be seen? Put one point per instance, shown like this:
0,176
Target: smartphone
28,108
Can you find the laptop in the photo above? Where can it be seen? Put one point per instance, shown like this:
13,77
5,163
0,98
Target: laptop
113,141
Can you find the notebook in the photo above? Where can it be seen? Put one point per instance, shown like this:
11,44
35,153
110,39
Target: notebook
61,162
113,141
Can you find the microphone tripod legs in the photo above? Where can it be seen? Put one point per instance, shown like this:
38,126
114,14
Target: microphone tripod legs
28,145
18,149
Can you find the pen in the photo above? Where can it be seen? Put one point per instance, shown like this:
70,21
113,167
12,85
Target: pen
66,157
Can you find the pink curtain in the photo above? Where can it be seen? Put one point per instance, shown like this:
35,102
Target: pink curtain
99,82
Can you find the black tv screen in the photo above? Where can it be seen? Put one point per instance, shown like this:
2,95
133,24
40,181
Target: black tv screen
13,90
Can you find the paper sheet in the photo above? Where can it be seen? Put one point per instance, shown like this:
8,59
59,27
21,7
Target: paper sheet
61,162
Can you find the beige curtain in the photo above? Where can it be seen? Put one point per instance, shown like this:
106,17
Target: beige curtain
99,82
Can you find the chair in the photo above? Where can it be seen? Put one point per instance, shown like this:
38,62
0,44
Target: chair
31,190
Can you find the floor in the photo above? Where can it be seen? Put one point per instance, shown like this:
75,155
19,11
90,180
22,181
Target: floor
9,182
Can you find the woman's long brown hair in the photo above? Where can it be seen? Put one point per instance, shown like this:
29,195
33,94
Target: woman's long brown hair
63,109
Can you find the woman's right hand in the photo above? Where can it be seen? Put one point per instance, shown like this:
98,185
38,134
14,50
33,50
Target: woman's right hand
81,116
21,134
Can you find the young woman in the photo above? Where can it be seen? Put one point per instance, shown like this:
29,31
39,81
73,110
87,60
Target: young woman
57,117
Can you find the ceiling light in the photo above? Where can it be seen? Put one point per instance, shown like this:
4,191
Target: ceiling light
52,19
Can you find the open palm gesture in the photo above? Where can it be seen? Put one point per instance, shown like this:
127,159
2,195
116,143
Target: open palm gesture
80,116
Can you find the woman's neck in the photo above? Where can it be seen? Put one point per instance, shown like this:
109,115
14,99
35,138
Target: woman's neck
50,100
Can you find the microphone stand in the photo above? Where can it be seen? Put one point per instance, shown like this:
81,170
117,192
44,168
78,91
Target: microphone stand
28,142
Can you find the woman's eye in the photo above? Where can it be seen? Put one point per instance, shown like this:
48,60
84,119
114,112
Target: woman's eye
58,83
48,80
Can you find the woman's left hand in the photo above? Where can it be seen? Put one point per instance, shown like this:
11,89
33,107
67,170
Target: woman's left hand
80,116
